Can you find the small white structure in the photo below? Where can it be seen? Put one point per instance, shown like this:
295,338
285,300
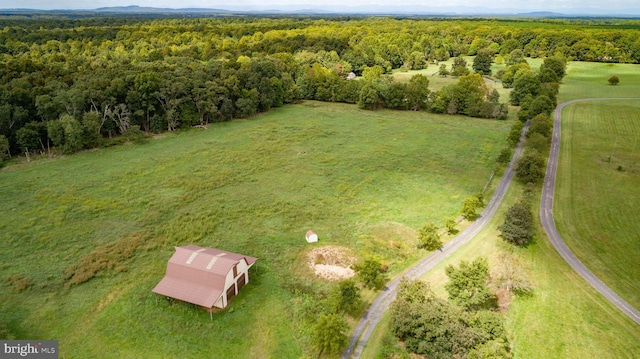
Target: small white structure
311,236
351,76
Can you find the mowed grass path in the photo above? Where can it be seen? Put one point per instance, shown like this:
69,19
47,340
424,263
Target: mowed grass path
598,191
254,186
596,205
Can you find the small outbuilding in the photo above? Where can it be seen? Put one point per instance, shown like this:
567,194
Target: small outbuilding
311,236
206,277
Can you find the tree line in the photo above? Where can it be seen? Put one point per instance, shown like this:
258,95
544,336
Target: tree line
73,83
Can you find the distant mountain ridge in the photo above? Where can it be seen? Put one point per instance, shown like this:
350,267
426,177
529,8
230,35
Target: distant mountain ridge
403,10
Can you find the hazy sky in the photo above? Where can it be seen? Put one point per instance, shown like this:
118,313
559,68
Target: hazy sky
607,6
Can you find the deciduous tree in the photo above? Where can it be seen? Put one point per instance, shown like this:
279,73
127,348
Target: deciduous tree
330,334
517,228
482,62
371,274
530,167
614,80
429,238
468,284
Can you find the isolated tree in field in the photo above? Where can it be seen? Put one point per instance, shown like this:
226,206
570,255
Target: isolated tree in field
517,228
468,284
482,62
459,67
371,274
530,167
614,80
330,334
429,238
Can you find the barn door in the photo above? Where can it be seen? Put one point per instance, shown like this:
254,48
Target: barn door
231,292
242,281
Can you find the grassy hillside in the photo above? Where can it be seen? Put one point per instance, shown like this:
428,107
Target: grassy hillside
358,178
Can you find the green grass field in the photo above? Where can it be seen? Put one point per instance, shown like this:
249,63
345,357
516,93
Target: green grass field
437,82
598,190
598,198
562,318
565,317
358,178
589,80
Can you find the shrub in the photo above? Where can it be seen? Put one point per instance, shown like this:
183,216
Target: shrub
614,80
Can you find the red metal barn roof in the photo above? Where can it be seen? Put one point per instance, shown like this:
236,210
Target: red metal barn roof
197,275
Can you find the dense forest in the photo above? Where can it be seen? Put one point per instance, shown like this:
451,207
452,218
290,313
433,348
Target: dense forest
71,83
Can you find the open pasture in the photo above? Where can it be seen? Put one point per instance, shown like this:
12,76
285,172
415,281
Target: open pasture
363,180
598,191
590,80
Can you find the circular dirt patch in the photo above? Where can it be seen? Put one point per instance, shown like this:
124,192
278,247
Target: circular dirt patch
331,262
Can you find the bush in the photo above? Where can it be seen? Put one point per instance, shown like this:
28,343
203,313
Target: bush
451,226
614,80
505,155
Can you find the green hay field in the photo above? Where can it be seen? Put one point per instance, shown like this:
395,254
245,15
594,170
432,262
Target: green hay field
598,185
598,192
360,179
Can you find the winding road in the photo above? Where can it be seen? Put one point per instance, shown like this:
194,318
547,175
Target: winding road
546,217
381,303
